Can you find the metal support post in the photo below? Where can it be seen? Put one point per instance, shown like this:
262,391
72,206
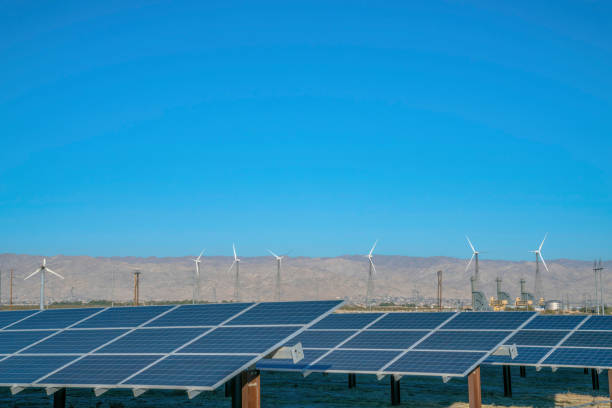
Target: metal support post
251,386
352,380
236,389
59,399
395,390
595,379
229,388
507,381
610,386
474,389
522,371
586,371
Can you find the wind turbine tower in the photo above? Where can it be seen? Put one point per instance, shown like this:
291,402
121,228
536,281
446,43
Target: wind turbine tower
236,275
371,273
43,269
475,253
538,277
279,260
196,279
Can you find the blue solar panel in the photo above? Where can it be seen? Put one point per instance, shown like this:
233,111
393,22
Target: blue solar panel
463,340
153,340
354,360
561,322
537,338
589,339
75,341
526,356
7,318
11,342
411,321
240,340
488,320
123,317
27,369
287,364
385,339
435,362
202,371
598,323
95,369
347,321
285,312
55,318
199,315
322,338
580,357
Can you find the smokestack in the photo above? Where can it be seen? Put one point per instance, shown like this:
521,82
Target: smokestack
499,282
440,290
136,287
523,289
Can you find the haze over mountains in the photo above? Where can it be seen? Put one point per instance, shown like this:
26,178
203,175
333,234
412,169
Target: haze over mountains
401,278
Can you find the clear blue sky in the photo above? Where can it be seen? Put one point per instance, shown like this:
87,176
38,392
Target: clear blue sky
159,128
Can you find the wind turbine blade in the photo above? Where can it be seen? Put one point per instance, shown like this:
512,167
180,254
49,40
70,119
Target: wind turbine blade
374,246
373,267
273,254
33,273
545,235
234,248
54,273
544,263
470,262
470,242
231,266
199,256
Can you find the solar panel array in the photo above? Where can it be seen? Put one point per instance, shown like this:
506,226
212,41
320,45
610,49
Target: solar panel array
446,344
562,341
195,347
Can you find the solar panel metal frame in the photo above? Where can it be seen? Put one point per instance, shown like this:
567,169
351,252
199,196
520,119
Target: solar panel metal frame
40,383
383,370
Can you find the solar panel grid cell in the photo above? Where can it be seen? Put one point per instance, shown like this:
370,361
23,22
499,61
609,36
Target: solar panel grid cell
10,317
123,317
463,340
199,315
526,356
55,318
537,338
580,357
287,364
600,339
488,321
75,341
371,339
346,321
354,360
322,338
434,362
598,323
240,339
27,369
283,313
561,322
418,321
153,340
11,342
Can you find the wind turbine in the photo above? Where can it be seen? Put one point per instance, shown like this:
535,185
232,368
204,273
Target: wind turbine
279,259
42,269
371,273
474,257
538,277
196,279
237,274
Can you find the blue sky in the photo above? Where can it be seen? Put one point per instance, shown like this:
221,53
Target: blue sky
158,128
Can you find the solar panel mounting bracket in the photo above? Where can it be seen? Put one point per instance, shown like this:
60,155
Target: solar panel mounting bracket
99,391
295,352
139,391
506,350
445,378
380,376
52,390
554,368
397,377
599,370
16,390
191,394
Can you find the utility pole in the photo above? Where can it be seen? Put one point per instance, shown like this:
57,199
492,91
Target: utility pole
136,287
11,291
440,291
598,268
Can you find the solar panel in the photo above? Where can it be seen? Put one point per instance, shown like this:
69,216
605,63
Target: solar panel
526,356
411,343
537,337
188,346
437,362
9,318
560,322
580,357
599,339
598,323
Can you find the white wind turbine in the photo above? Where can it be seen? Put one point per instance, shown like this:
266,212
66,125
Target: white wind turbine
236,275
279,259
196,279
538,277
371,273
42,270
474,257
